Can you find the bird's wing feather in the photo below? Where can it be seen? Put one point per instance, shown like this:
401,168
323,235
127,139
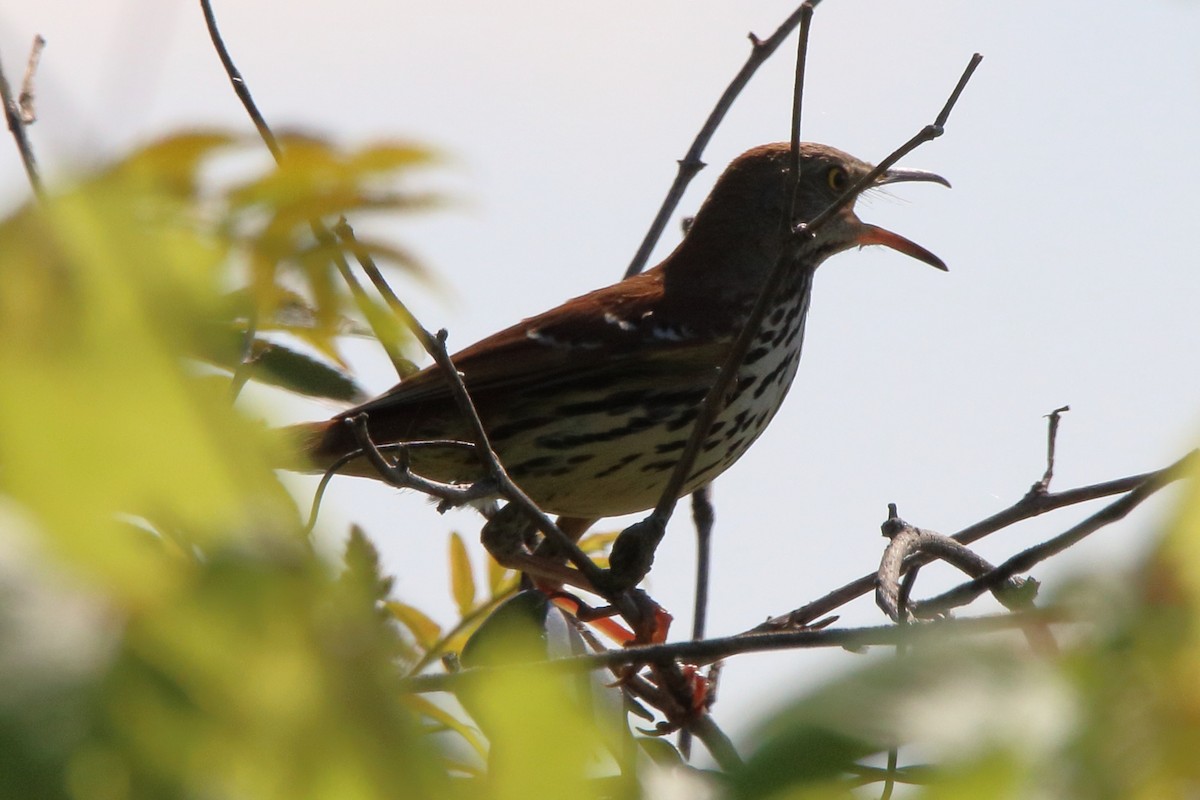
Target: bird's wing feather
608,330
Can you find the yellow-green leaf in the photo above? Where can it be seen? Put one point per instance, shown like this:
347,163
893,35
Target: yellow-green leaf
598,542
421,625
500,578
426,708
462,580
387,157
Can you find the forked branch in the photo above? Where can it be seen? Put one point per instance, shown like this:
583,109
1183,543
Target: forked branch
690,164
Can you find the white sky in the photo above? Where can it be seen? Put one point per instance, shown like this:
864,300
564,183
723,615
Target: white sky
1069,236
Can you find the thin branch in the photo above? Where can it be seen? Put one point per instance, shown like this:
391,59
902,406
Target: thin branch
711,650
239,83
890,779
362,255
496,470
633,551
806,12
719,745
690,164
1026,559
334,468
1043,485
913,774
1029,506
703,517
26,100
926,134
16,125
399,475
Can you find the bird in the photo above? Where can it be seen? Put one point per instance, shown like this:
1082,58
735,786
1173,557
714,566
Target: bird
589,404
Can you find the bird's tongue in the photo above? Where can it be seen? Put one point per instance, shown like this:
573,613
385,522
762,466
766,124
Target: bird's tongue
873,234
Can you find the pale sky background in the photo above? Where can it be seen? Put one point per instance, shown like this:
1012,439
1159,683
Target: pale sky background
1069,235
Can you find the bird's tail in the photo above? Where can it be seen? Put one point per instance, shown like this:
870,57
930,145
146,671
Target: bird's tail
319,444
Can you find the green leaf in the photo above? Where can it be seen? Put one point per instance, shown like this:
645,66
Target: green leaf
277,365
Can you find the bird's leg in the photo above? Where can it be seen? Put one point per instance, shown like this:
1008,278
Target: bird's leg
505,537
651,628
633,551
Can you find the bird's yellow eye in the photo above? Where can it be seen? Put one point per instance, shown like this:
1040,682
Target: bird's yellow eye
838,179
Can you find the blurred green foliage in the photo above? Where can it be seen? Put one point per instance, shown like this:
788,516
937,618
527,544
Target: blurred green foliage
167,630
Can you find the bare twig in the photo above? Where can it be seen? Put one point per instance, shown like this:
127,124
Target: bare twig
703,517
345,234
26,100
711,650
690,164
719,745
336,467
239,84
926,134
16,125
891,772
1043,485
633,551
912,774
806,12
1031,505
398,474
1026,559
505,484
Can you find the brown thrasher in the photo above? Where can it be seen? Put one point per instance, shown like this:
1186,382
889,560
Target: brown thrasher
589,404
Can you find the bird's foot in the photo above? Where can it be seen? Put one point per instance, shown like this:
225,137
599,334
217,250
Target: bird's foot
633,553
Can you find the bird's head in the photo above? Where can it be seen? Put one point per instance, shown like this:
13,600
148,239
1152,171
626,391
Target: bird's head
758,186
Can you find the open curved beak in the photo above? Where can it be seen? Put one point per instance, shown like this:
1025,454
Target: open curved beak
911,176
873,234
